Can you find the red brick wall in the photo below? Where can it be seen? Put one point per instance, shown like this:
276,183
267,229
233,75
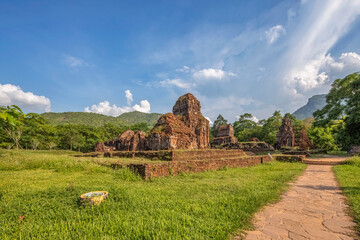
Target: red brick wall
149,170
180,155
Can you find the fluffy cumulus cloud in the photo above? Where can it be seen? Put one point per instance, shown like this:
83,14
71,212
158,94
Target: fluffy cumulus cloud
232,71
74,62
309,62
143,107
14,95
129,97
322,70
273,33
212,74
112,110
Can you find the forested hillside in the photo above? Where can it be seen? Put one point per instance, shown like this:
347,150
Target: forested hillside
97,120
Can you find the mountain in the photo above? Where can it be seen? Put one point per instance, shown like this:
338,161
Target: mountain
314,103
139,117
96,120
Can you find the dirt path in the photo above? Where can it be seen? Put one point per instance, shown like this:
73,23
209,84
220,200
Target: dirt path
313,208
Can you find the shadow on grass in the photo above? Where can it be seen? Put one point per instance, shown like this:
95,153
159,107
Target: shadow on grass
330,188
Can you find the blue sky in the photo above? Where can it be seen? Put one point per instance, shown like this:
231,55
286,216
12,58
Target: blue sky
112,57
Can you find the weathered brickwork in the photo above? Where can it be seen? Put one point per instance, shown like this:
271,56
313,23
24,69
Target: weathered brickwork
176,161
149,170
179,155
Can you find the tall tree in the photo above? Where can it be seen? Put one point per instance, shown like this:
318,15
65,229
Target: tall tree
12,121
343,103
270,127
246,127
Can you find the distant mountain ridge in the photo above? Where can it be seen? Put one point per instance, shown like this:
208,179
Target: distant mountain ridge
96,120
314,103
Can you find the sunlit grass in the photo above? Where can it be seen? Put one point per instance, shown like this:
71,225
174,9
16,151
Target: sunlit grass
348,176
43,189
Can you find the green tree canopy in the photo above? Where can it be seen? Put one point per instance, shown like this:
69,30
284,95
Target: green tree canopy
12,121
270,127
246,127
343,103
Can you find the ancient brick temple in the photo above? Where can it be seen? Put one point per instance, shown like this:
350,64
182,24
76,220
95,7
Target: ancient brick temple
285,137
224,134
303,140
127,141
185,128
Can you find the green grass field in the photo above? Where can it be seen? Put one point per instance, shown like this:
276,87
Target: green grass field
44,187
348,176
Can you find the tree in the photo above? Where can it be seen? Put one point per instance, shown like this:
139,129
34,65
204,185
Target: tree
12,121
35,143
270,127
70,137
36,132
246,127
140,127
343,103
323,137
51,145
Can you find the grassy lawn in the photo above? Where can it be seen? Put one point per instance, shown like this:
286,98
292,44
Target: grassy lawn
348,176
44,187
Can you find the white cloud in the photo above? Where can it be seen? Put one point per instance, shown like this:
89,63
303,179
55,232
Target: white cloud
143,107
296,69
177,82
185,69
210,122
273,33
350,59
212,74
113,110
322,70
254,119
74,62
308,62
106,109
129,98
14,95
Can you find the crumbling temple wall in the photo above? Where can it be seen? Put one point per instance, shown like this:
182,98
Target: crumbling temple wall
171,133
148,171
188,110
180,155
185,128
285,137
127,141
224,135
303,141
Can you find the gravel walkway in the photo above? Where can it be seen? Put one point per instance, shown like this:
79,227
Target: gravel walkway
313,208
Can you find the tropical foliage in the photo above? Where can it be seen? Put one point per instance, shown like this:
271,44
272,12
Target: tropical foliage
32,131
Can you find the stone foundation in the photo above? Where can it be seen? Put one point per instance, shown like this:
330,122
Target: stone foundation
149,170
178,161
179,155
